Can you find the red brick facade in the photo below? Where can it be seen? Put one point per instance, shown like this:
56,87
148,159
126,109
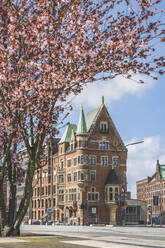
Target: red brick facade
74,186
150,187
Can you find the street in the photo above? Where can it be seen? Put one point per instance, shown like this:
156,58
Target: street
102,237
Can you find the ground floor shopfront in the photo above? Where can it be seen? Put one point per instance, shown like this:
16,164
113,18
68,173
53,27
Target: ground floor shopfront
83,214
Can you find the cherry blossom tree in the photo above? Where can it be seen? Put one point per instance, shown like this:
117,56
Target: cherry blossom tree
50,49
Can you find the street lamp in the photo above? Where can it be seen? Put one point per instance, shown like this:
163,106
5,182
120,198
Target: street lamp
135,143
120,186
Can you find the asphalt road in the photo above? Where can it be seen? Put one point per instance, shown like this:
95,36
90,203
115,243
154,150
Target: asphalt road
102,237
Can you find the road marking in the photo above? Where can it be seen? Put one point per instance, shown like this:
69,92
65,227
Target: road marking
104,244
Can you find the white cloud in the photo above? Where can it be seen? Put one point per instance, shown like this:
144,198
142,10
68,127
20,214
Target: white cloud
112,90
142,160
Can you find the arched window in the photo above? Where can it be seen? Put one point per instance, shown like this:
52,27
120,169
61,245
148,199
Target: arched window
110,194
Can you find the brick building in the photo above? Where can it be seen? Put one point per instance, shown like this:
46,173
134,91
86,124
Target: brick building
85,174
149,188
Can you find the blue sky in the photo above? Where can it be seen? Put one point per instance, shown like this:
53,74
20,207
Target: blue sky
138,113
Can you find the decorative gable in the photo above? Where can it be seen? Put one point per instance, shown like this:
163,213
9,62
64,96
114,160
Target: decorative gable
100,123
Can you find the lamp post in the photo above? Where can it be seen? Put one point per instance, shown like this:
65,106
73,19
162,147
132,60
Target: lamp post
120,183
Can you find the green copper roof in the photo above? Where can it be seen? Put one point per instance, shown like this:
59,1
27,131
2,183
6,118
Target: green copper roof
67,134
162,171
91,117
82,128
153,180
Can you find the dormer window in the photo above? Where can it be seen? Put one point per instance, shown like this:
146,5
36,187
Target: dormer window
104,127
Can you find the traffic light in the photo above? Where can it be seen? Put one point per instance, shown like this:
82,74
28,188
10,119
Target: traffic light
155,200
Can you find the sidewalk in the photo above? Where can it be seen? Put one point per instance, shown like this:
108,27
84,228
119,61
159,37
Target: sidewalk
11,240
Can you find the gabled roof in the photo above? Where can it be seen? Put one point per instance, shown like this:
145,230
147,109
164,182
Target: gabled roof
81,128
112,178
67,134
90,118
86,125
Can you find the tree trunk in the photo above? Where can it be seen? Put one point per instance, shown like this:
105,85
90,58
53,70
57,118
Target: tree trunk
7,231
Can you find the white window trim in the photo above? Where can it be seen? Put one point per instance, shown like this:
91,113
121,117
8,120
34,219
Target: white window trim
101,161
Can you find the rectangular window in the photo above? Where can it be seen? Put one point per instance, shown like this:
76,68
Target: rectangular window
104,161
93,196
75,161
115,161
72,147
38,191
69,162
54,189
69,178
82,159
50,203
116,193
81,175
92,160
49,190
49,179
62,164
93,175
103,127
61,195
104,145
75,176
61,179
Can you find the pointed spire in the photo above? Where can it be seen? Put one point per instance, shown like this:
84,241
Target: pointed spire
82,128
102,99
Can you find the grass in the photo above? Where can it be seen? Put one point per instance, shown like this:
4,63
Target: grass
41,242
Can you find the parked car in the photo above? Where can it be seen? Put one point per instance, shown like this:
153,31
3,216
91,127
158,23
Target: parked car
35,222
49,223
43,223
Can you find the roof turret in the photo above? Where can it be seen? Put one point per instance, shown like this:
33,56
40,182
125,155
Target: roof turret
112,178
67,134
82,128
